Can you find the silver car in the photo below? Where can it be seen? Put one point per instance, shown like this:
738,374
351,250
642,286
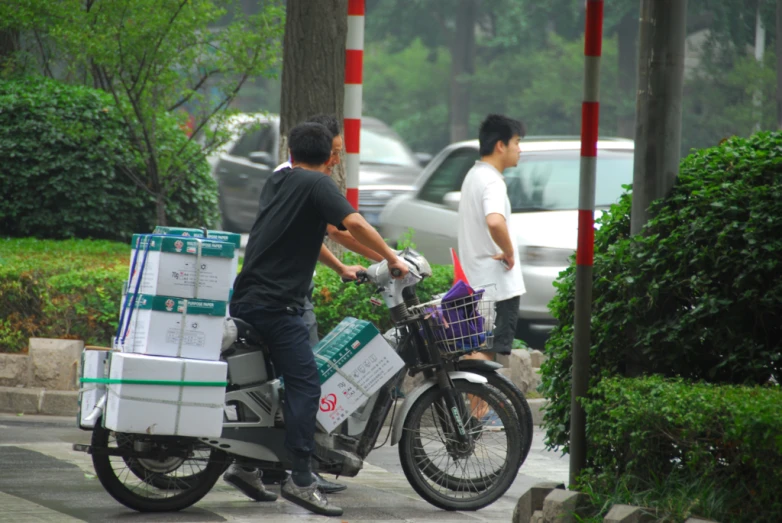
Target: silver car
388,168
543,191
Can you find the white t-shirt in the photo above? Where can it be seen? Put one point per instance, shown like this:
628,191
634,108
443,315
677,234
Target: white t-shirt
484,192
283,166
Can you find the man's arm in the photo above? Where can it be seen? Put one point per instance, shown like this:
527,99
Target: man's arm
498,229
347,240
360,229
327,258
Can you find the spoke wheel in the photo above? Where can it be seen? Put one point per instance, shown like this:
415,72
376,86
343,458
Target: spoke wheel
520,405
154,485
452,476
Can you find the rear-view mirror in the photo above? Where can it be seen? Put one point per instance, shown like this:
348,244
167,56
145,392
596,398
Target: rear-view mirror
262,157
424,158
451,200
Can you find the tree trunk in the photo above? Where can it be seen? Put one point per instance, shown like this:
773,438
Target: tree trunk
313,66
9,45
627,58
779,64
160,210
313,69
462,69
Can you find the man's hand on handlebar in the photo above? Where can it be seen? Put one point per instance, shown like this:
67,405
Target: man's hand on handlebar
350,272
398,268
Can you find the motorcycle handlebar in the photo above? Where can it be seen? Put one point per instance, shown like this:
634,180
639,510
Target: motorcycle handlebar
361,277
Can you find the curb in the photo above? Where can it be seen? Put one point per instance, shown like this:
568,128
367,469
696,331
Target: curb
536,406
20,400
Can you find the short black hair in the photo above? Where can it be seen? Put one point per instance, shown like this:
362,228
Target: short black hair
310,143
329,120
497,128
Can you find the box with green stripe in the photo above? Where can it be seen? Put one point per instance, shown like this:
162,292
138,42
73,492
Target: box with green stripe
231,237
353,361
164,396
171,326
181,266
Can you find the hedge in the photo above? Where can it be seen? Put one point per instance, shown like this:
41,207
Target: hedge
60,289
696,294
649,431
72,288
64,154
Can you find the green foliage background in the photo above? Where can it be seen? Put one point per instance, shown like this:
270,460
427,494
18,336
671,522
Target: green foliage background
696,294
67,167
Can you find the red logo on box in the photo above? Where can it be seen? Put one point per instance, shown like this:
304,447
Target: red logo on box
178,245
328,403
169,304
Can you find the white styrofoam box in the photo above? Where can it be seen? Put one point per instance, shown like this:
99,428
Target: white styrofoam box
354,361
174,264
165,396
224,236
94,365
176,327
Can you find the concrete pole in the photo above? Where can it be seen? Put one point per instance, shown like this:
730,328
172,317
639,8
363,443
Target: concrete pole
778,47
760,47
658,121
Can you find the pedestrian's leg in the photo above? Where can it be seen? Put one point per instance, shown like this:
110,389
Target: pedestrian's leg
506,316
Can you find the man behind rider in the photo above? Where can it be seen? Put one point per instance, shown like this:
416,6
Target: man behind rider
283,248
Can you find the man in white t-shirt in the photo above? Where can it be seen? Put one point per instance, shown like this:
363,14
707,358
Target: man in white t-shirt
487,245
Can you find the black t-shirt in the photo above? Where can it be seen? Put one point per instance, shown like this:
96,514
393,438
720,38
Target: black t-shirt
284,244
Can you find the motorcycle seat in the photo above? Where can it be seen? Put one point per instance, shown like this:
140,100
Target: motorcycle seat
248,333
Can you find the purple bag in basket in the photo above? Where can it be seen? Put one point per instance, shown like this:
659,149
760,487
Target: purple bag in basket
461,324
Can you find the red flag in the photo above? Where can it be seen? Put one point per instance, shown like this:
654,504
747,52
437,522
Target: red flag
458,272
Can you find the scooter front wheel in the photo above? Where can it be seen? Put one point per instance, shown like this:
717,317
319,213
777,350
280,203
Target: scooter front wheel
148,487
453,475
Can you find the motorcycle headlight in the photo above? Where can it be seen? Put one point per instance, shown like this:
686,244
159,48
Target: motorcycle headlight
545,256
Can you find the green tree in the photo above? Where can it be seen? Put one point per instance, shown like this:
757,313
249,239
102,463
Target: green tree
156,57
472,33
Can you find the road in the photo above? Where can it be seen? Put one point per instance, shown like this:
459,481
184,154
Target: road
44,480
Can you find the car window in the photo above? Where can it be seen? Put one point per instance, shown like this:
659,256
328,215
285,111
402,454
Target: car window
449,175
253,140
384,149
549,181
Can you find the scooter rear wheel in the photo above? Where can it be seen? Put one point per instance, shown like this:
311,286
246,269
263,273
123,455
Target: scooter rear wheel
145,494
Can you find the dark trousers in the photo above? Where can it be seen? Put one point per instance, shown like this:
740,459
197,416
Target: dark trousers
288,340
507,314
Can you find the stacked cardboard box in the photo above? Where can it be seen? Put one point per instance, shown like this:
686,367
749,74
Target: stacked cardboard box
164,375
233,238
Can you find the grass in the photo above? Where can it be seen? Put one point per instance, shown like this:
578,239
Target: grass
671,500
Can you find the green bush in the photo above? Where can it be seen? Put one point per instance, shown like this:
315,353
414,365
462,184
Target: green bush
642,430
64,159
72,288
60,289
334,300
697,294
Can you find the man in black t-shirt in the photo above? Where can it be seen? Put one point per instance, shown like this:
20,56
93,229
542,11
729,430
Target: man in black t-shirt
269,293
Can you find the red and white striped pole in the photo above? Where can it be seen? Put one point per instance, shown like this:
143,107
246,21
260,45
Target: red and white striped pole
354,65
590,117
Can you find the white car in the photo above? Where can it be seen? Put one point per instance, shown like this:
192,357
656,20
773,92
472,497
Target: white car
543,191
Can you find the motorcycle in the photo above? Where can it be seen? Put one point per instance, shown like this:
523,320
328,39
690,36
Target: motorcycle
450,457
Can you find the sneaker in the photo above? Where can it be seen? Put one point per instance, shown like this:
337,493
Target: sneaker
273,477
248,482
326,486
309,497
